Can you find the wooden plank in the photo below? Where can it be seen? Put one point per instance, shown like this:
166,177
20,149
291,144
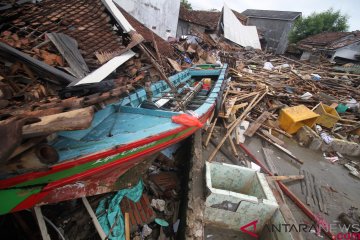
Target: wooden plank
237,107
40,219
285,210
269,154
67,47
175,65
302,182
289,219
324,200
283,178
272,137
287,152
93,218
317,194
257,124
233,148
127,226
308,187
210,132
229,104
312,191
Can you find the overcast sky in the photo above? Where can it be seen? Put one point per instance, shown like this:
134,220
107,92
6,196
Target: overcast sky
349,7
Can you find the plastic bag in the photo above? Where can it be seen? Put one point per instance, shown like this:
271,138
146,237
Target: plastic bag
187,120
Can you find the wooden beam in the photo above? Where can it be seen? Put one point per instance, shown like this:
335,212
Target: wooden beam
40,219
210,132
257,124
272,137
127,226
229,104
157,67
283,178
93,218
268,154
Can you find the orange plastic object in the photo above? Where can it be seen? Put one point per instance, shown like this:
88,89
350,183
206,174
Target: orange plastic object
187,120
293,118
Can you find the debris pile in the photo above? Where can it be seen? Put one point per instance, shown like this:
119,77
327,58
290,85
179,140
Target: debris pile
52,67
296,95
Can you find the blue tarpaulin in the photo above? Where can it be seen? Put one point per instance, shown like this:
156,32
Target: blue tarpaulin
111,207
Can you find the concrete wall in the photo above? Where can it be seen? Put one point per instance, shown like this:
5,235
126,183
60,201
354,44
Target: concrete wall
159,15
275,32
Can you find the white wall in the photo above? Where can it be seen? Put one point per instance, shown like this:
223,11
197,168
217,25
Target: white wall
161,14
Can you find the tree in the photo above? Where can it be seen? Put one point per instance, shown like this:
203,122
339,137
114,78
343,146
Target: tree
186,4
328,21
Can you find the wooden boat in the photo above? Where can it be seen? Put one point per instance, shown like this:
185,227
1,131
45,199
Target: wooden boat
121,136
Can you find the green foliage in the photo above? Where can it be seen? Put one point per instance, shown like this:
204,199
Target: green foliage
328,21
186,4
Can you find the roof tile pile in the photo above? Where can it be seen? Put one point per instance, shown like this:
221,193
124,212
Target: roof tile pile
330,40
208,19
84,20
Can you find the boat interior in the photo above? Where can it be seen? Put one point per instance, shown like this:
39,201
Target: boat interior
134,117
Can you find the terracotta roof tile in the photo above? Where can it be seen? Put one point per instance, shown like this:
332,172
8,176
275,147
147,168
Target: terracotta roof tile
330,40
84,20
208,19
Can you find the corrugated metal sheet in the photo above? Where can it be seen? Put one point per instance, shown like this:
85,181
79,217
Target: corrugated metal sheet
238,33
102,72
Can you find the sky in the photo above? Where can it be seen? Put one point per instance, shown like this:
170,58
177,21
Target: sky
349,7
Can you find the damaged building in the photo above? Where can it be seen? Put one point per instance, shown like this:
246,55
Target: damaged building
332,45
275,26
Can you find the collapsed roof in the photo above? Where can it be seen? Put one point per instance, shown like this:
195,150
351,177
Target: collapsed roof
329,40
85,34
208,19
